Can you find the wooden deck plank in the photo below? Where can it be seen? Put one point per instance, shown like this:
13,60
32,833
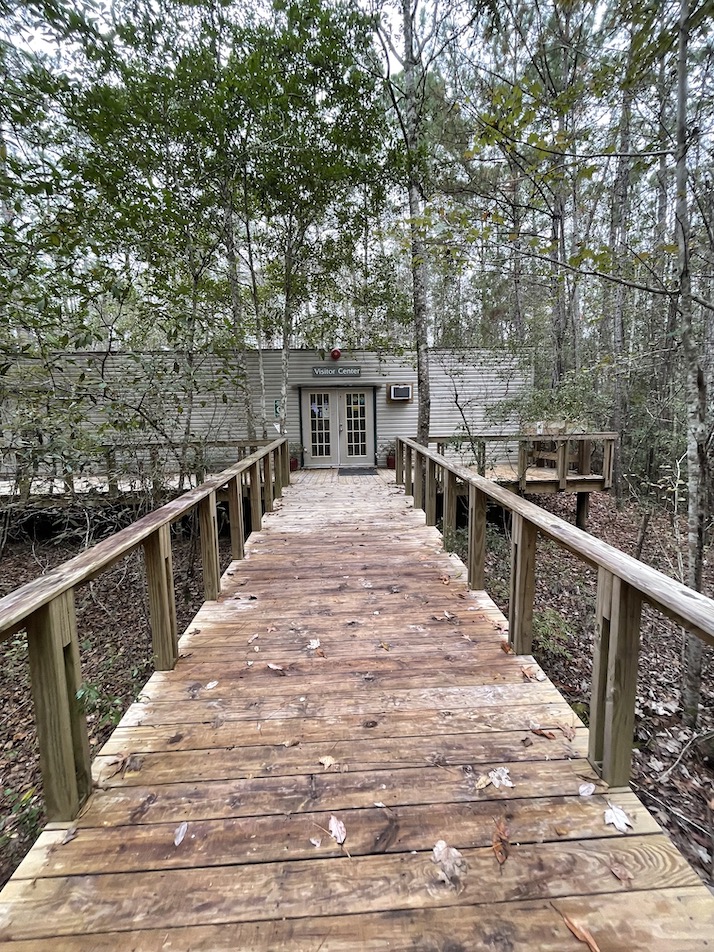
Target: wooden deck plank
414,701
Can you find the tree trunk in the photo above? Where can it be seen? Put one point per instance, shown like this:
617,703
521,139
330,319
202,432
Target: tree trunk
412,134
695,387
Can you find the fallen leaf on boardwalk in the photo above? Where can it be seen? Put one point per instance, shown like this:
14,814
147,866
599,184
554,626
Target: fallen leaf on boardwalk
567,730
384,645
622,873
616,816
450,862
532,673
327,762
320,653
501,843
313,644
337,830
271,629
549,735
280,671
506,647
500,778
253,637
315,840
561,831
445,579
449,616
526,741
290,743
249,664
378,803
69,835
211,685
179,833
586,789
483,781
580,932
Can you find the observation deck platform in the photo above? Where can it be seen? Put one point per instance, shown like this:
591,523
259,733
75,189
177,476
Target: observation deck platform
346,685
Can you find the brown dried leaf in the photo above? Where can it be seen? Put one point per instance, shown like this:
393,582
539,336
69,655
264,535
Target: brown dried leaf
69,835
622,873
549,735
328,762
278,669
483,781
506,647
501,843
581,933
567,730
384,645
532,672
526,741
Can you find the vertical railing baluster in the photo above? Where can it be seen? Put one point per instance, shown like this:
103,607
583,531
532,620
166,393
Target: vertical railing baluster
520,614
256,506
55,675
430,492
162,599
235,516
209,547
477,538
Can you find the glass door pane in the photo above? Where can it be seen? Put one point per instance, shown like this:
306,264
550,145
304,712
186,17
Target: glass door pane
356,421
320,438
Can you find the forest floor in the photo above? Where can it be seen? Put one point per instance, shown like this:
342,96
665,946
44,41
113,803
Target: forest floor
673,766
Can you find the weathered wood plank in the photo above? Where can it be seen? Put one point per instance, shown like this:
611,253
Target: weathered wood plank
683,920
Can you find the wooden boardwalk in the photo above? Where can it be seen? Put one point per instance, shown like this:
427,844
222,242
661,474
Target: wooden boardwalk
347,672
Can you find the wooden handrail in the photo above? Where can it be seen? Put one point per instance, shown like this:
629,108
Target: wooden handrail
16,606
623,584
46,608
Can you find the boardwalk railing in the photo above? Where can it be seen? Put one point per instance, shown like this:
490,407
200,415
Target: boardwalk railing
45,607
569,454
623,584
39,468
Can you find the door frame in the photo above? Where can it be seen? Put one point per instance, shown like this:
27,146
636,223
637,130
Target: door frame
352,387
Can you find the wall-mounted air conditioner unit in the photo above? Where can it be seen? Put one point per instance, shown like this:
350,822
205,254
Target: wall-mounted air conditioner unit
399,391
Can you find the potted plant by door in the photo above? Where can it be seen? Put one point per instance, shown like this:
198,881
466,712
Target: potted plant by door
389,449
295,450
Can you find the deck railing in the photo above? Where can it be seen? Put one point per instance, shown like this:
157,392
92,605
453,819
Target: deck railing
624,583
569,454
45,607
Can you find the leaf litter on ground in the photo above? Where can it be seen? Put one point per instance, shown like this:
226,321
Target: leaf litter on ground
450,863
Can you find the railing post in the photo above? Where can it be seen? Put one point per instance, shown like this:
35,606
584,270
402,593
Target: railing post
209,547
520,612
285,451
112,478
56,677
278,472
562,463
584,456
398,462
162,599
408,471
614,679
608,458
235,516
418,486
522,464
477,539
256,508
268,481
448,523
430,492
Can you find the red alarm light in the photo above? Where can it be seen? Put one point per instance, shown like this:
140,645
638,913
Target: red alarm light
335,353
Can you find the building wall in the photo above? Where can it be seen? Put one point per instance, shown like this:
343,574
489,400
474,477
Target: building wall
130,398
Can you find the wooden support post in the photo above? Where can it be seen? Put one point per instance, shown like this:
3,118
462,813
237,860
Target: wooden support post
582,510
520,613
430,492
562,462
112,478
614,680
608,459
585,450
522,464
61,725
268,481
477,538
408,471
418,480
162,599
448,523
398,462
256,507
209,547
285,450
278,472
235,516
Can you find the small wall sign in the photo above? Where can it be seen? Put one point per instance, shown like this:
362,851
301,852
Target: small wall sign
336,371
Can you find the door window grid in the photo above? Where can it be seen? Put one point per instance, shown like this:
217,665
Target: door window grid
356,419
320,424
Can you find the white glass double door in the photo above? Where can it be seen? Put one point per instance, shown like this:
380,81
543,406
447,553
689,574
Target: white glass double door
338,427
